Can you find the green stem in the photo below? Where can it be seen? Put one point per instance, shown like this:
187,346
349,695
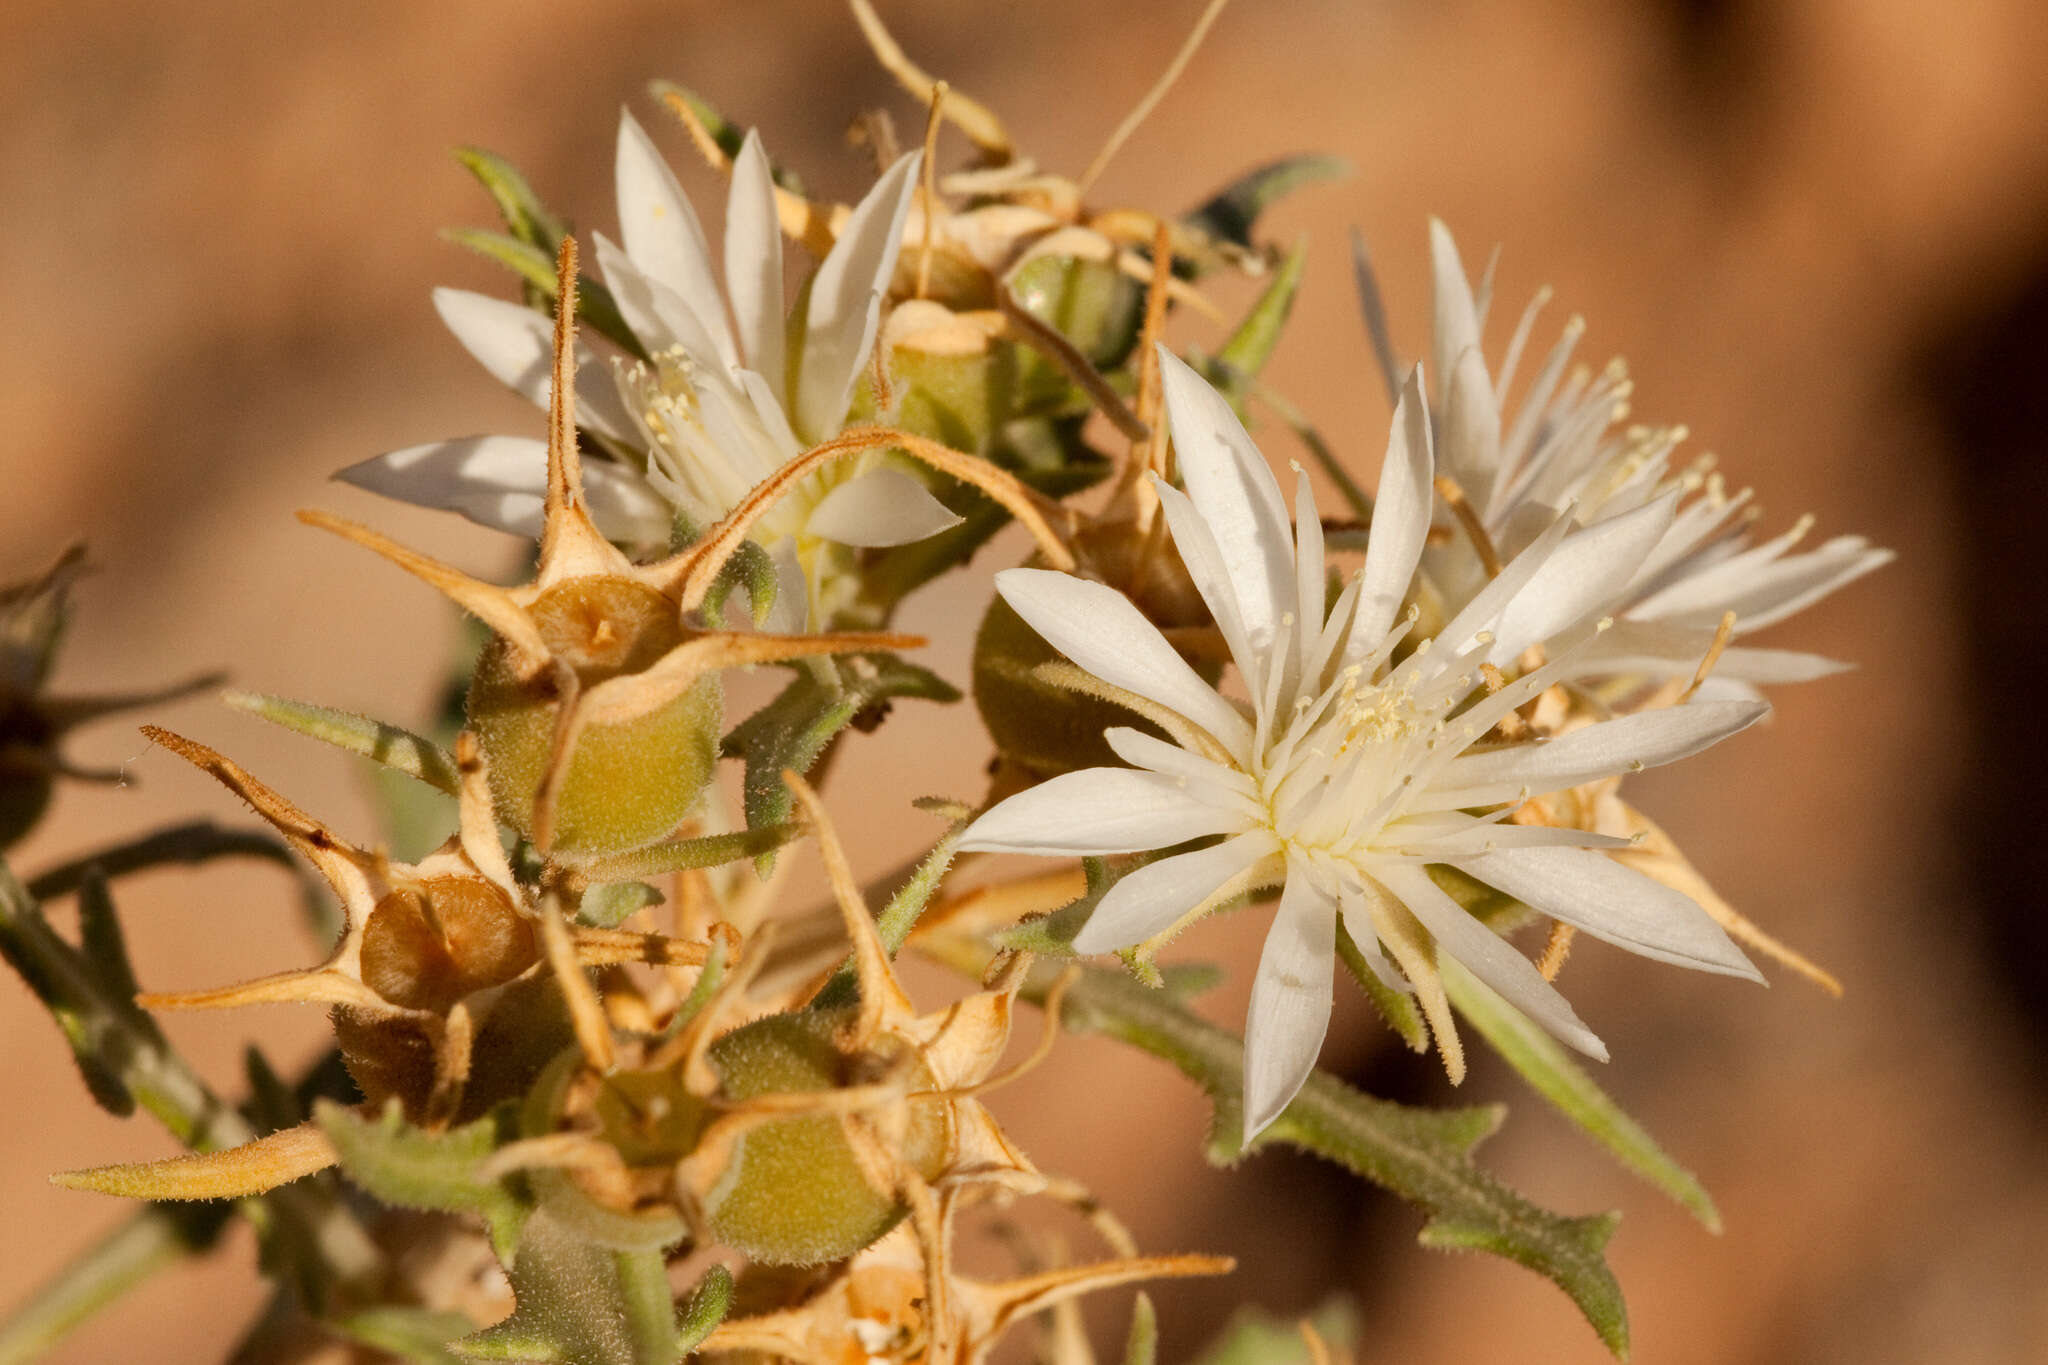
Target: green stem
157,1236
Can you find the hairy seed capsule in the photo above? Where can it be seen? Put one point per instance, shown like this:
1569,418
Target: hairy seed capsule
628,784
795,1193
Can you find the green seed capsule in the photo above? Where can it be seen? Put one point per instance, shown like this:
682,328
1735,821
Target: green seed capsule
1046,730
795,1193
1091,303
628,784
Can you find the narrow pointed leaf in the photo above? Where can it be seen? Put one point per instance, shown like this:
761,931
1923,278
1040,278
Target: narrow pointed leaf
1231,214
1556,1076
536,269
419,1335
372,739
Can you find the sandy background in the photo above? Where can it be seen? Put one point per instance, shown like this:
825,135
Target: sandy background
1818,230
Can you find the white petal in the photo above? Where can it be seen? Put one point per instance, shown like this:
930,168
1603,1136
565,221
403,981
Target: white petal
1582,580
1234,490
1483,612
1290,1005
1489,957
1097,811
1775,665
1141,750
1624,745
1100,630
1400,520
753,262
1456,317
1358,923
663,238
1470,450
846,299
881,507
1149,900
1612,902
517,345
1203,558
501,482
655,313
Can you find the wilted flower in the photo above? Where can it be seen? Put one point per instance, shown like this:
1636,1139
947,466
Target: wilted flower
1351,773
1516,466
716,407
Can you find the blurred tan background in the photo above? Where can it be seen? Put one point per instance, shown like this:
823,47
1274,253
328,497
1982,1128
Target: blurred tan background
1818,231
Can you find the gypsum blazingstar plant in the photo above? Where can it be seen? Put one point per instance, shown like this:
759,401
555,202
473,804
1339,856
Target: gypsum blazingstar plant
586,1051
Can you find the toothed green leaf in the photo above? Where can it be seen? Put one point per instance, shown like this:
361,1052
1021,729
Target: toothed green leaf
1546,1066
1423,1155
580,1304
420,1335
415,1169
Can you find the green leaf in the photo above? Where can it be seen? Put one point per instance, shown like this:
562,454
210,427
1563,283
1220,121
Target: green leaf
1423,1155
608,905
414,1169
1257,1337
581,1304
155,1237
728,135
1231,214
535,267
1398,1010
524,214
420,1335
793,730
1141,1347
706,1307
1251,345
189,844
680,855
749,569
307,1235
272,1105
1550,1070
372,739
900,915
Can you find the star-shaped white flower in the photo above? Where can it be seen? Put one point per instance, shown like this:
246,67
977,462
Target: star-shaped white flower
1518,465
1350,772
722,403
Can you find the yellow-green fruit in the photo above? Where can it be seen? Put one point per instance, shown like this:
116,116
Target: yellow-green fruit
629,784
1091,303
795,1193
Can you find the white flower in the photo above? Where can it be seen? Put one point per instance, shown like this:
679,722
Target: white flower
1519,465
1349,774
721,406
